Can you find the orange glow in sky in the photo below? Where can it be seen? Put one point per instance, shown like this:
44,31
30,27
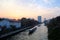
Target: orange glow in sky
17,9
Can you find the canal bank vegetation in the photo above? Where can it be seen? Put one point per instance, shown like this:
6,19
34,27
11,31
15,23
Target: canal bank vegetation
54,29
10,25
28,22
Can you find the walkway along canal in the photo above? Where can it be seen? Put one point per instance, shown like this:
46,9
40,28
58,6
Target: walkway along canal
13,33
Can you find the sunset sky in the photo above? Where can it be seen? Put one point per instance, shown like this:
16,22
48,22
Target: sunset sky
29,8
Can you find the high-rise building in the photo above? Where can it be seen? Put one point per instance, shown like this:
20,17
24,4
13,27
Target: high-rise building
39,19
44,19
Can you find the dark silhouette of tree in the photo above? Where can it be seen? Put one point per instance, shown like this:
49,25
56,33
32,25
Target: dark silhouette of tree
13,28
24,23
4,30
54,29
28,22
1,19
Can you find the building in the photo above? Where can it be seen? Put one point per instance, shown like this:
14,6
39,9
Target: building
16,24
8,23
46,21
39,19
5,23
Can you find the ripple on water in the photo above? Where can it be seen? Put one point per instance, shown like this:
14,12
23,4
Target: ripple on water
40,34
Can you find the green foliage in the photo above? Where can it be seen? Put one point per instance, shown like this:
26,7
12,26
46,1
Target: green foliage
28,22
54,29
13,28
24,23
4,30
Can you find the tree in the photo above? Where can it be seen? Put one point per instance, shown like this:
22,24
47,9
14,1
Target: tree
28,22
13,28
54,29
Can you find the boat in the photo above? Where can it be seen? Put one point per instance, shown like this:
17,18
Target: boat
32,30
39,25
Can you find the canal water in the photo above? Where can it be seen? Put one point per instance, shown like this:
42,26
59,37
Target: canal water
40,34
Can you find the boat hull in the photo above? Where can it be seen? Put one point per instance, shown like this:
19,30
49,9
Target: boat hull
31,31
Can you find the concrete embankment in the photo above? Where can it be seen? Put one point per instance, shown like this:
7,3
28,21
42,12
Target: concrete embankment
13,33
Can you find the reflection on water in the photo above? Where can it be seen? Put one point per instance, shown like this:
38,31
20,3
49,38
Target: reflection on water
40,34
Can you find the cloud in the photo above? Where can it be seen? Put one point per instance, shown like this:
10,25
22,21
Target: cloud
26,8
46,1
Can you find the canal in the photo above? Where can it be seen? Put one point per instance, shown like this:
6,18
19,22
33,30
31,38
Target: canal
40,34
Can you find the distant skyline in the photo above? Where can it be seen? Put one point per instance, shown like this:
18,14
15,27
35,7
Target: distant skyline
17,9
